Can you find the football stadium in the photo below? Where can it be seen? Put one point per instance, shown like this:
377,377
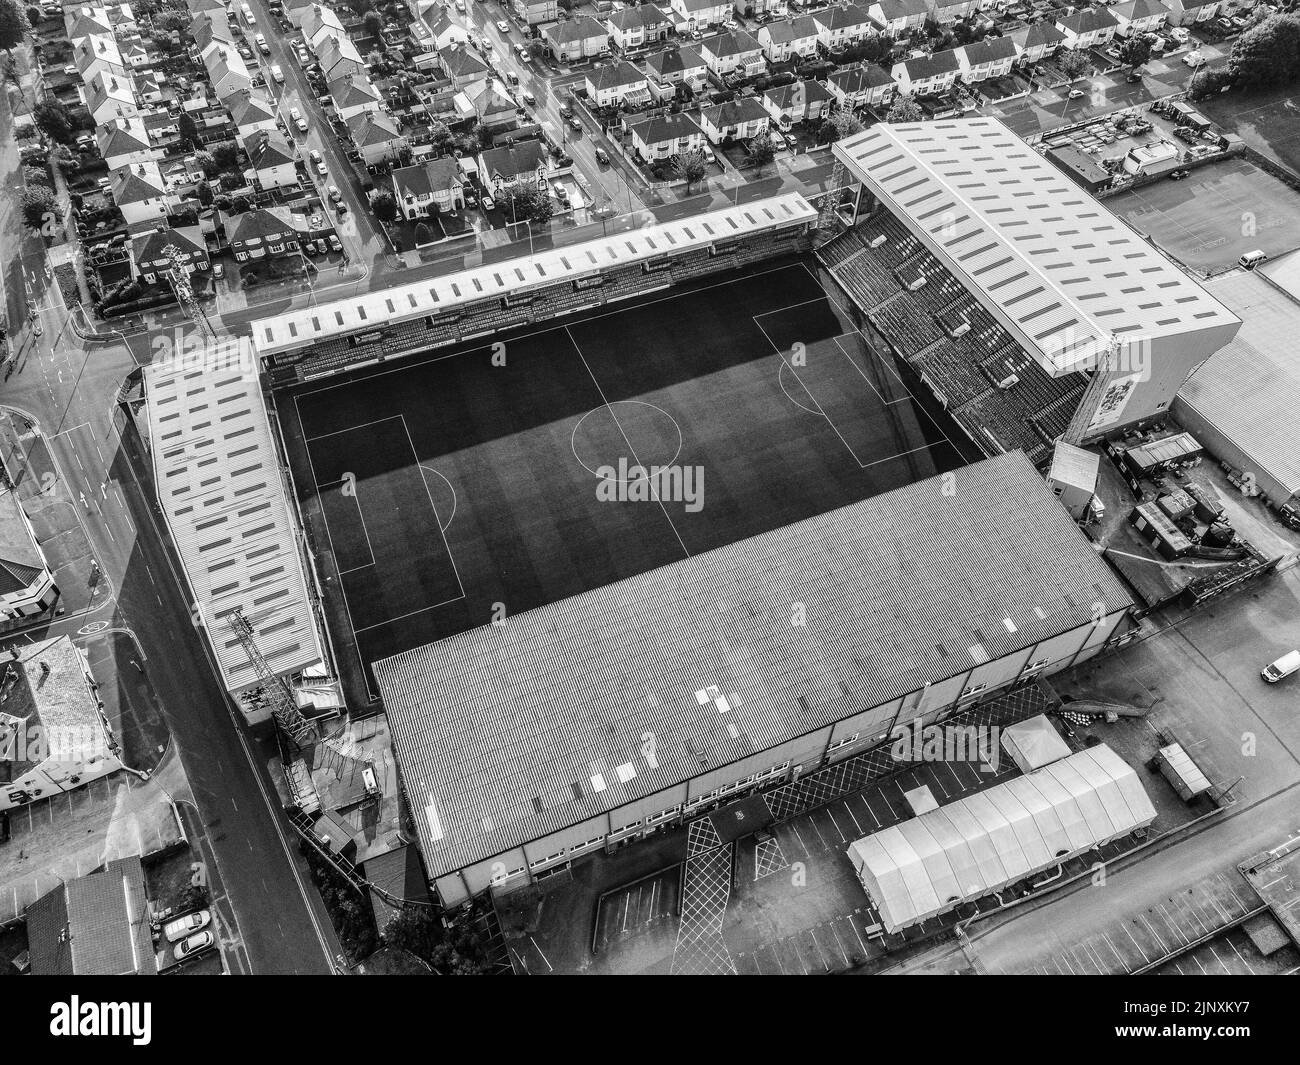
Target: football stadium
624,530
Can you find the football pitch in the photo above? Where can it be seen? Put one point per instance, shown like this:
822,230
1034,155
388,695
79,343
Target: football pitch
463,488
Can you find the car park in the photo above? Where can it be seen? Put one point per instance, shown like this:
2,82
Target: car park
197,942
183,927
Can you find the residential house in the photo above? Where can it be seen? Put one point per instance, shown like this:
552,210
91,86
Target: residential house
434,185
1190,12
140,192
992,57
672,67
443,32
617,84
735,52
353,95
338,58
260,233
208,27
272,160
82,22
296,11
525,161
899,18
319,24
463,67
27,588
789,38
1035,43
1088,28
492,105
94,925
98,55
1139,16
862,85
738,119
701,14
636,26
842,25
150,88
946,12
160,125
754,8
227,72
535,12
53,731
375,136
125,141
251,112
927,74
800,101
134,53
152,259
576,38
197,7
110,96
658,137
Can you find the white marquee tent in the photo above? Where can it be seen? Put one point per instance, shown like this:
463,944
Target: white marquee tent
976,845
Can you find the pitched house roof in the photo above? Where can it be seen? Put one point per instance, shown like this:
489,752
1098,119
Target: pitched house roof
424,179
809,92
266,150
372,127
896,9
674,61
842,17
152,246
259,223
511,160
929,66
613,75
1087,20
122,137
136,183
735,112
989,50
733,42
789,30
247,107
858,78
643,16
655,129
575,29
461,62
354,90
95,925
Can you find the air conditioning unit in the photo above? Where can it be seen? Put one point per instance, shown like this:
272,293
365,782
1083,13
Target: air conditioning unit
1007,382
875,242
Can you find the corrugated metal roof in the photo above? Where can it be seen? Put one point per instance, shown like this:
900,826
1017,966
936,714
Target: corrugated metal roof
499,730
221,493
1068,274
435,295
1250,388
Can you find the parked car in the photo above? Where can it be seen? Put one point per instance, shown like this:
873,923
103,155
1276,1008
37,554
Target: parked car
488,203
322,169
522,53
1179,34
503,27
530,99
460,6
245,52
512,77
335,243
574,124
1186,134
1074,94
197,942
1195,59
262,46
218,270
334,194
277,73
301,123
1178,175
1133,77
186,926
566,111
602,157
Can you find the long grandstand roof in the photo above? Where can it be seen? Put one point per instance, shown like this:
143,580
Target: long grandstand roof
219,486
1065,274
500,730
369,310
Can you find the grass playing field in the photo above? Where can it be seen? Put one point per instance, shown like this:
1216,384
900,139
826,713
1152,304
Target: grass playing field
443,494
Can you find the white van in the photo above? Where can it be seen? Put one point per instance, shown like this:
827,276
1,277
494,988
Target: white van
247,12
1251,259
1283,667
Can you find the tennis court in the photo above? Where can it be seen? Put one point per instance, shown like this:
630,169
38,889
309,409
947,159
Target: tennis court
463,489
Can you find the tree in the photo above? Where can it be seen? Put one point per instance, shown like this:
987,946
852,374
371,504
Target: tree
38,207
34,15
1209,82
53,120
1074,62
904,109
37,175
423,234
13,25
226,155
761,150
373,24
171,22
439,134
207,161
691,166
842,124
1135,51
526,201
205,194
1268,54
384,206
